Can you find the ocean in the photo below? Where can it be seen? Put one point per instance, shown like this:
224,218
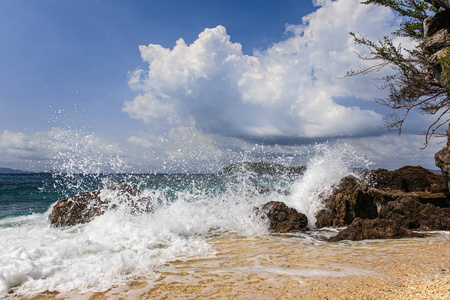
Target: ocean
196,217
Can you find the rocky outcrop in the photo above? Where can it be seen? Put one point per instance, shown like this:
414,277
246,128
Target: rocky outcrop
349,200
436,48
408,212
442,160
282,218
363,229
85,207
433,25
406,179
436,44
387,204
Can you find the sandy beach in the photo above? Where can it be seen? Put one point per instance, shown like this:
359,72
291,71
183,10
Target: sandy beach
295,267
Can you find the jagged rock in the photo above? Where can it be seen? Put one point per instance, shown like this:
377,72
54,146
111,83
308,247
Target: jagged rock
409,213
85,207
353,198
409,198
382,197
363,229
348,201
396,219
406,179
388,186
438,22
437,43
282,218
442,160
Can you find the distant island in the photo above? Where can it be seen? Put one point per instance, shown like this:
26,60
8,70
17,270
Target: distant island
262,167
12,171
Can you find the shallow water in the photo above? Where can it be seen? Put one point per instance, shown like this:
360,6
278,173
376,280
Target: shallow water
203,222
295,266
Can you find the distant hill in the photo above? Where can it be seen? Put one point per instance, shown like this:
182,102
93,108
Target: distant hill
262,167
12,171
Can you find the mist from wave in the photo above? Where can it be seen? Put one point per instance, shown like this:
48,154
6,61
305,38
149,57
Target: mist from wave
190,209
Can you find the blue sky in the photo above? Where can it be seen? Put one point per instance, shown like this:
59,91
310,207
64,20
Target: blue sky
111,81
53,51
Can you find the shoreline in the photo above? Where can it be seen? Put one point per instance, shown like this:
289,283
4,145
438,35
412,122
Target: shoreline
293,267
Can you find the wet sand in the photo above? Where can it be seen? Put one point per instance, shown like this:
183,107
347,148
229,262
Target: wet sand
295,267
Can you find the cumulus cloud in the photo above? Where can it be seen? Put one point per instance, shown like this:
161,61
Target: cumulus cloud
208,104
289,90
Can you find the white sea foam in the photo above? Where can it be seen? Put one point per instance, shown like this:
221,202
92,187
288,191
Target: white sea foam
324,171
36,257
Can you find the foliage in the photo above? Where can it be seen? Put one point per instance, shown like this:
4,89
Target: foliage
412,86
414,13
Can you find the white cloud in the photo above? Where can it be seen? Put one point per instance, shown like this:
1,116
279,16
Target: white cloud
207,103
60,150
185,149
17,146
393,151
286,91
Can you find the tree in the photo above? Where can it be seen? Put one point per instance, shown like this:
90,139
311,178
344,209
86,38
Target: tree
421,80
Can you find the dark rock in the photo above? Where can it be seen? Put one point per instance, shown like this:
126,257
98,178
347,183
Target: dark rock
362,229
439,40
406,179
437,199
282,218
85,207
439,21
409,213
348,201
381,197
389,205
442,160
436,44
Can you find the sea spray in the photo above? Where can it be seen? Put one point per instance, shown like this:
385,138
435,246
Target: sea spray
36,257
189,210
328,165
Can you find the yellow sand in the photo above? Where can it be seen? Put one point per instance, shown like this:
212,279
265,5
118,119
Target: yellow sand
288,267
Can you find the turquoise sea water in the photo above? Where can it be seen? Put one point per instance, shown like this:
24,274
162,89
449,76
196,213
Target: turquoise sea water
24,194
190,209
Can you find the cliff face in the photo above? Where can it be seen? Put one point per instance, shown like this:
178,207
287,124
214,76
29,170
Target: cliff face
442,160
436,47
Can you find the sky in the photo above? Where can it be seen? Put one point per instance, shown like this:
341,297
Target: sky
192,86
